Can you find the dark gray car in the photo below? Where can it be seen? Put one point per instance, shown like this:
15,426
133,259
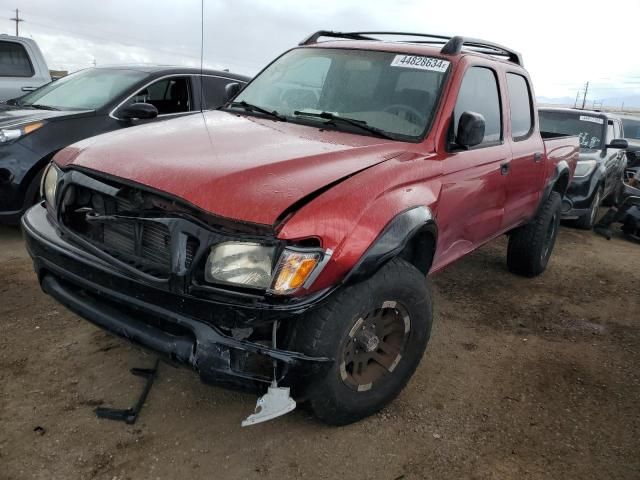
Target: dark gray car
89,102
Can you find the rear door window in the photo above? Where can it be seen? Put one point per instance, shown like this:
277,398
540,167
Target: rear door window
479,93
14,60
169,95
617,130
610,132
520,106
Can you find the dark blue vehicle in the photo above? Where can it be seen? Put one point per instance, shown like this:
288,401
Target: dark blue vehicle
86,103
600,171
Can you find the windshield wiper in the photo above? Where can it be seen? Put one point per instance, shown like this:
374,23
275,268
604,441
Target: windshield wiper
333,118
249,107
41,107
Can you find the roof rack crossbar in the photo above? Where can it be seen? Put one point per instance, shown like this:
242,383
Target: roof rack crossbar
456,44
452,45
313,38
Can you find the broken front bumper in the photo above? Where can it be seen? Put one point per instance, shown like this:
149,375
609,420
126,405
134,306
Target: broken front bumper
164,322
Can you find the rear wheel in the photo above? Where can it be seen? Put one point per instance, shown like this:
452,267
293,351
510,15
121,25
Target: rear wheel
377,332
531,245
588,220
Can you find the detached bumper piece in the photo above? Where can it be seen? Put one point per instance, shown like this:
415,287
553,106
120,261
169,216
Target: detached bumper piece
275,403
130,415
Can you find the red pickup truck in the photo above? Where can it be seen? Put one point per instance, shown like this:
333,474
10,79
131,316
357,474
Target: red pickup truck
282,242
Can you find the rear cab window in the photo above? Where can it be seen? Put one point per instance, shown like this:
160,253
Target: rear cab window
479,93
14,60
520,106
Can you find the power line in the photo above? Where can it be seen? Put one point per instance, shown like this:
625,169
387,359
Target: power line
114,39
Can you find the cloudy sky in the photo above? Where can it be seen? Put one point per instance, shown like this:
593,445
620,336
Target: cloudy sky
564,43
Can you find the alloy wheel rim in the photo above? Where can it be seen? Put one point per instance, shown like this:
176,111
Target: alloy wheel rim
374,346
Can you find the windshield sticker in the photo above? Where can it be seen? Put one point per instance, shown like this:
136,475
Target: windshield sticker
585,118
422,63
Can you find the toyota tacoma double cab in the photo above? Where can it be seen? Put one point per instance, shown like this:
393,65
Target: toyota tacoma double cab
282,242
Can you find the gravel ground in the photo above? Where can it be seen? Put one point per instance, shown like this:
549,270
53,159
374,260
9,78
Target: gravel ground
523,378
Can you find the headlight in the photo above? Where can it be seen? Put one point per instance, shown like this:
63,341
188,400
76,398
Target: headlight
49,184
244,264
584,168
250,265
10,134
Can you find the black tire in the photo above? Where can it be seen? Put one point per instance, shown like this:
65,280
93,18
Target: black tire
531,245
326,332
588,220
615,197
32,194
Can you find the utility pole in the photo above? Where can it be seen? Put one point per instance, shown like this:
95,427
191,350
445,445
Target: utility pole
17,19
94,61
584,98
575,103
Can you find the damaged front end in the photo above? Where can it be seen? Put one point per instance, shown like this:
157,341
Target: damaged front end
134,263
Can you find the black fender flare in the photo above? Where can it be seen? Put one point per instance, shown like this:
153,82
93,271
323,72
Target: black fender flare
561,171
393,240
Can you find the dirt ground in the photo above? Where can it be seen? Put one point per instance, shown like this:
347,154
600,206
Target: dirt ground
522,379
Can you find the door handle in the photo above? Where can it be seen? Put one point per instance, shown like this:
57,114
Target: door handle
28,89
505,168
537,157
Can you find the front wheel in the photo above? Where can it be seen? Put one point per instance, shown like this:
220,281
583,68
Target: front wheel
588,220
376,332
531,245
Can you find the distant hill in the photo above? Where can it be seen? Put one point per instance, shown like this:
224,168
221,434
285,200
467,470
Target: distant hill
631,102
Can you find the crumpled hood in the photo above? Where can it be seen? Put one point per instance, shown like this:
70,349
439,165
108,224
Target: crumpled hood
239,167
10,115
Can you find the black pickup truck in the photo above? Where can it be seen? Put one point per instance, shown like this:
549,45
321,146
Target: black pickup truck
600,170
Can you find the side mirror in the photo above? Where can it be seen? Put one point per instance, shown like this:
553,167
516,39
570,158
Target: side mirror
620,143
143,111
230,91
470,129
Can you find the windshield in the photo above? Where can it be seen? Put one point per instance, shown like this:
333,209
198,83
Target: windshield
589,128
393,93
85,90
631,128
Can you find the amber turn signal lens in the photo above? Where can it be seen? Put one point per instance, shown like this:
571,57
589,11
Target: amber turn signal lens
31,127
293,270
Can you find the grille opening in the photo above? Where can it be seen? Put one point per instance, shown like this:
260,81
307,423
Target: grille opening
142,244
192,249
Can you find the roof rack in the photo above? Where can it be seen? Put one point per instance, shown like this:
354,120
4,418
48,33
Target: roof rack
451,45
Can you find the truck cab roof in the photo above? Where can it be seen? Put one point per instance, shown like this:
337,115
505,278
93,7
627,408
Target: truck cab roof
416,43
